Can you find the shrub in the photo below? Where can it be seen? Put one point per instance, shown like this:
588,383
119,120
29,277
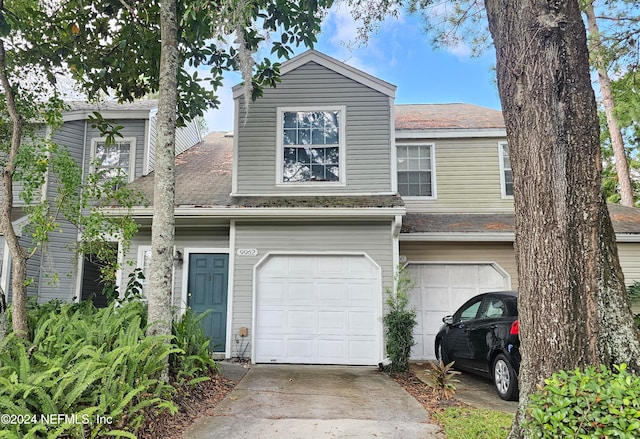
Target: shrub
194,356
399,323
442,379
593,403
84,362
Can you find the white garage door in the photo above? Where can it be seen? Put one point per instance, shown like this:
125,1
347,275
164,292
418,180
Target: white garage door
318,310
440,289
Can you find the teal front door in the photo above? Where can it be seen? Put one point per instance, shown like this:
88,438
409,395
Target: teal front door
207,290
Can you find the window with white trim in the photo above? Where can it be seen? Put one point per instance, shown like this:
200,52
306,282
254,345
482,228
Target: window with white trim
114,159
506,175
311,145
416,170
144,264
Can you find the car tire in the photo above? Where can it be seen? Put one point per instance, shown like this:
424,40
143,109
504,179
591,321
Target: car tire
441,354
504,378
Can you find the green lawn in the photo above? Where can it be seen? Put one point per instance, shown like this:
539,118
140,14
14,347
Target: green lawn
467,423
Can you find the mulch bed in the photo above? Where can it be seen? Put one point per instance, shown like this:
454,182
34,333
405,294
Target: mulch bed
424,394
193,402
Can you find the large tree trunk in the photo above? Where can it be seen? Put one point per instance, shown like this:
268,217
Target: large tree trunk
572,298
163,230
18,255
617,143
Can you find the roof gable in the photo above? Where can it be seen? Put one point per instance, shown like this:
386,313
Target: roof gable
334,65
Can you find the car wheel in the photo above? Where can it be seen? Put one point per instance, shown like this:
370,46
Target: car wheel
504,378
441,354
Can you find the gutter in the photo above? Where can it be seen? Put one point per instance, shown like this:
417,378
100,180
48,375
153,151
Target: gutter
263,212
486,237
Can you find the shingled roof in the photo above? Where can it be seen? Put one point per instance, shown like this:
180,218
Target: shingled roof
626,220
203,179
141,104
446,116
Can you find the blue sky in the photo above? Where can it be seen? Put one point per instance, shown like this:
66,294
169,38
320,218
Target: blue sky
400,53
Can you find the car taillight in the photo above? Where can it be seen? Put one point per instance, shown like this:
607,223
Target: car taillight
515,328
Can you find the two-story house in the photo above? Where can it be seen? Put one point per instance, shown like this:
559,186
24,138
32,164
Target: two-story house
131,154
290,231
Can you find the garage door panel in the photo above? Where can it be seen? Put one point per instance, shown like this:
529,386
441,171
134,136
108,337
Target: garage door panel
272,320
332,322
331,267
332,292
440,290
332,350
438,275
359,293
302,321
273,290
362,323
300,292
302,265
489,276
329,313
360,350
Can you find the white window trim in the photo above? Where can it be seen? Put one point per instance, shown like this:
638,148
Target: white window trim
116,239
132,153
503,183
140,264
6,269
434,187
342,152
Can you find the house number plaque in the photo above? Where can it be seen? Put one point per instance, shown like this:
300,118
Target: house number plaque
247,252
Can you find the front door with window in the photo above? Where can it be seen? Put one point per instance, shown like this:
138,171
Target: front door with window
207,290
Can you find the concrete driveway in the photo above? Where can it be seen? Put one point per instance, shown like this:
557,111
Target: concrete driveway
284,401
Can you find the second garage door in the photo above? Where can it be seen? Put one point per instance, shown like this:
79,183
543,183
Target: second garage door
318,309
440,289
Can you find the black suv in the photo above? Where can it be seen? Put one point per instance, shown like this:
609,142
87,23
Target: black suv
482,338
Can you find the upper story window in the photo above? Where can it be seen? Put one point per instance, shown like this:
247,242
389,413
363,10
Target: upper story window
114,159
416,171
506,176
311,145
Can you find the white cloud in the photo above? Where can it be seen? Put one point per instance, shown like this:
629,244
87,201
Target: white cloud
459,49
340,23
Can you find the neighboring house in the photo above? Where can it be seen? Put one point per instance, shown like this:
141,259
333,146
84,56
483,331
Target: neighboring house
291,230
132,154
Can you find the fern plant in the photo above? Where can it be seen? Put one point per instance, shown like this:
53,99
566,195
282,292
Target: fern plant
194,358
85,361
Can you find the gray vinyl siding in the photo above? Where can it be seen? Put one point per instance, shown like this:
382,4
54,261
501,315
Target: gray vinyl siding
39,133
372,238
367,132
153,135
33,269
198,237
132,128
629,254
501,253
187,136
59,256
467,177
